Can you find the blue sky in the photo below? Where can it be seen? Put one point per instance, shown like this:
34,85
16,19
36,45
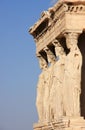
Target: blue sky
19,67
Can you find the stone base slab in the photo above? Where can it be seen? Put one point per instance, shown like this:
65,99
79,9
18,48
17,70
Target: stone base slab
65,123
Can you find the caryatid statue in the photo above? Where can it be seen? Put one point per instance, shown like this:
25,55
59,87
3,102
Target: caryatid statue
40,87
56,99
43,88
72,77
48,82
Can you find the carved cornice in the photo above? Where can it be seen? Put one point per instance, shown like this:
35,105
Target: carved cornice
76,8
62,18
45,15
58,17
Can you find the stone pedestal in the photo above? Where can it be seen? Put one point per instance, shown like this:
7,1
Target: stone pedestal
65,123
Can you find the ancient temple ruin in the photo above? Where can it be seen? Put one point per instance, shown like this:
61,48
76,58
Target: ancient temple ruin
59,35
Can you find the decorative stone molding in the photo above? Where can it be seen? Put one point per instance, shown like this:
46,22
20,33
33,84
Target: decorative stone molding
76,8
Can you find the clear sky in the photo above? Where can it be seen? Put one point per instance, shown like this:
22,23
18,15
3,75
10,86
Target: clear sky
19,68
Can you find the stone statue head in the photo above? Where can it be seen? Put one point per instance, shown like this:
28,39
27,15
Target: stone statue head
42,62
50,56
59,50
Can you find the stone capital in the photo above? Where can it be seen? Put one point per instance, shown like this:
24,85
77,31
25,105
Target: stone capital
73,35
50,56
71,39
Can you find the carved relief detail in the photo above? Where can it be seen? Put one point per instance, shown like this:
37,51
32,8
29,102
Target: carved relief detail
76,8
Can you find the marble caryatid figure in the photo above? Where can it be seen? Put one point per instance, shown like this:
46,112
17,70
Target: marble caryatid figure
56,97
40,87
44,84
72,76
48,83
